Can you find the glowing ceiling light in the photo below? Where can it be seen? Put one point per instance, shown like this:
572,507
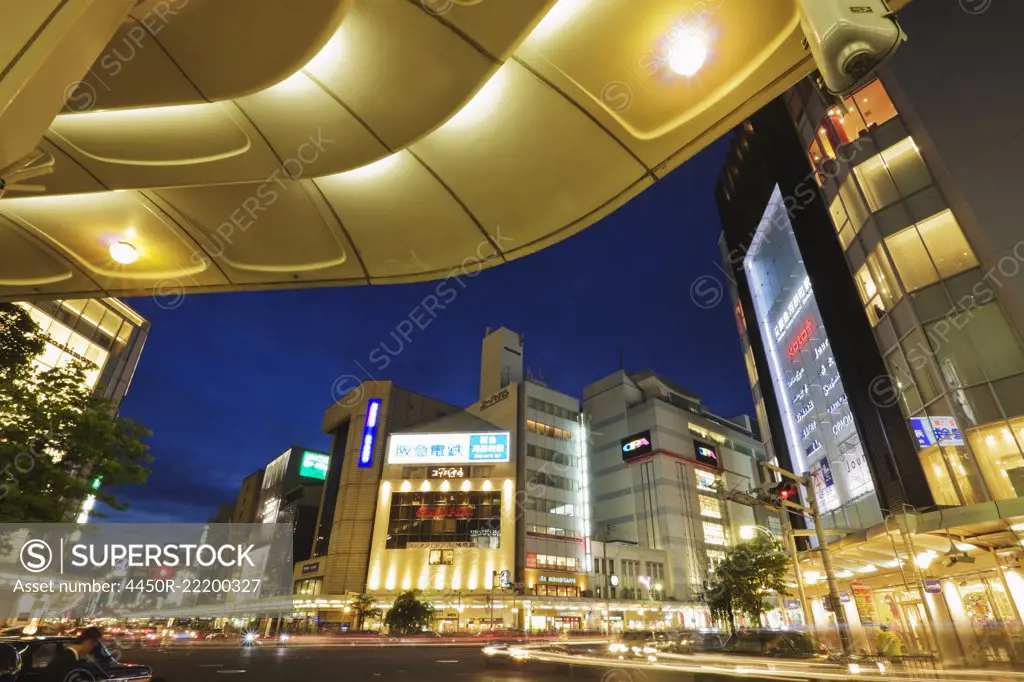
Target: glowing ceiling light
870,568
924,559
688,55
124,253
844,574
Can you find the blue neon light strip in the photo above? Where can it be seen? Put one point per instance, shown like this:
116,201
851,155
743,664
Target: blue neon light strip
369,434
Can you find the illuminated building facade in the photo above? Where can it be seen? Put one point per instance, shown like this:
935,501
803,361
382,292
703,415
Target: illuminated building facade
907,238
290,490
105,334
359,423
658,459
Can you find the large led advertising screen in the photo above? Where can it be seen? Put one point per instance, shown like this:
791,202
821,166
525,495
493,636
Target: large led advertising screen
448,448
820,427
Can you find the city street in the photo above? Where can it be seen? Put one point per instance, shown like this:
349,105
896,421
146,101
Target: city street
414,663
438,663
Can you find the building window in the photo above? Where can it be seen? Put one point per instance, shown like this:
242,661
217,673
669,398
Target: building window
630,568
309,587
876,183
911,259
548,430
552,562
441,557
980,344
877,285
553,533
706,481
946,244
907,168
710,507
657,571
714,533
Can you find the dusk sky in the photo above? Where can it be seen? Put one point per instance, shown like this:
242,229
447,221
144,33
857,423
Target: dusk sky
229,381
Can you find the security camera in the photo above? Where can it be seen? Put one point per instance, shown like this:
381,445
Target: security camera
849,39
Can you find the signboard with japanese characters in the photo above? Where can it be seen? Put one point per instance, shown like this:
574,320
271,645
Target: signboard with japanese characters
448,448
931,431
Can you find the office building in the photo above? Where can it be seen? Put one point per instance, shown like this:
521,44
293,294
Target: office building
359,424
871,248
658,461
247,504
106,335
290,488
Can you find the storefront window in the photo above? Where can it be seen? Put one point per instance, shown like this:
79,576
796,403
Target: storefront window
999,457
942,485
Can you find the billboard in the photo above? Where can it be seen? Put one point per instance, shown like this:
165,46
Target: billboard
637,445
936,431
448,448
705,454
314,465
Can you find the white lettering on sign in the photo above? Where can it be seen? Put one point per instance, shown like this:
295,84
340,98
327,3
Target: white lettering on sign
804,411
800,297
802,394
830,385
821,348
846,421
837,404
808,430
799,375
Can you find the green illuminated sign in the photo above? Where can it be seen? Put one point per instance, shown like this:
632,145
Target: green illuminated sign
314,465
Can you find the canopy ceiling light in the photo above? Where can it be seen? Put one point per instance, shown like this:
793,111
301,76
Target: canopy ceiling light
378,142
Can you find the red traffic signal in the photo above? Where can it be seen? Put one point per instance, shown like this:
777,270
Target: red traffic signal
786,492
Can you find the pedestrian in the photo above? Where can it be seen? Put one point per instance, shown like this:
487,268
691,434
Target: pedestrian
888,643
71,657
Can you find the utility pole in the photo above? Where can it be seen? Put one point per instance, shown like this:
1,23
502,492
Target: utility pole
494,575
777,498
830,575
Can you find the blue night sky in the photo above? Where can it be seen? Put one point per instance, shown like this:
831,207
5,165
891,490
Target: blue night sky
229,381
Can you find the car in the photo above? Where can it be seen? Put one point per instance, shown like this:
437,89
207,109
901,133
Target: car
691,641
35,654
643,644
504,654
777,644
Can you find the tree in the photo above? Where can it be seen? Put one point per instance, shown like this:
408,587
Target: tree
58,440
365,607
746,576
408,614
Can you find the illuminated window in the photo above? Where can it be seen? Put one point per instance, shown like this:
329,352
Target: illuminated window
937,242
877,285
874,104
442,557
947,245
710,507
911,259
714,533
706,481
876,183
906,167
979,345
856,210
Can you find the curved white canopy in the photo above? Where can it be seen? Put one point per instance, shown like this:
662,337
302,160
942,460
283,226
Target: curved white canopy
240,144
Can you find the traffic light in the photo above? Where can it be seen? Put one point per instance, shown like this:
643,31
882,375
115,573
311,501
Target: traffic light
786,491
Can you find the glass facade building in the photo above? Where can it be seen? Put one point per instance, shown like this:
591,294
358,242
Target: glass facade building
954,356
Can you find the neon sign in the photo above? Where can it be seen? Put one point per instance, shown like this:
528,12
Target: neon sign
801,339
369,434
634,444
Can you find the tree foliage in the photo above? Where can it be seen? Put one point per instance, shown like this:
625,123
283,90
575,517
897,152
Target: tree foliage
365,607
741,583
56,435
408,614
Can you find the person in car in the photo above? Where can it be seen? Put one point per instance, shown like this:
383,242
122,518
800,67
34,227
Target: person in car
69,660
